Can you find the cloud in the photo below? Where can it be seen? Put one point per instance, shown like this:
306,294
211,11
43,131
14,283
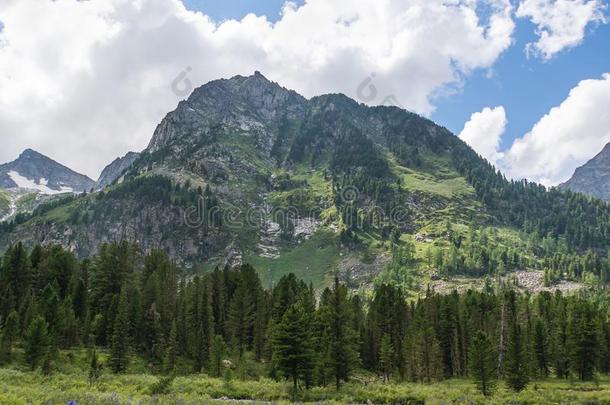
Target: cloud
484,132
561,24
86,81
565,138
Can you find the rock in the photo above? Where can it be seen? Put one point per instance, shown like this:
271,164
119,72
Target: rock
593,178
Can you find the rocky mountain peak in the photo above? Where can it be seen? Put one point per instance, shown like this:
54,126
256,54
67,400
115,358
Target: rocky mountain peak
242,104
115,170
34,171
593,178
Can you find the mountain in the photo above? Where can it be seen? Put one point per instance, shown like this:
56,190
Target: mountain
593,178
114,170
34,171
246,170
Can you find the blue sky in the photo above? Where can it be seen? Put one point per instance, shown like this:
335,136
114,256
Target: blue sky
527,87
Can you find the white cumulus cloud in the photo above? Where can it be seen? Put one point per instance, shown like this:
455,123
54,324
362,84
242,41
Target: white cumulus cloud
86,81
561,24
483,132
565,138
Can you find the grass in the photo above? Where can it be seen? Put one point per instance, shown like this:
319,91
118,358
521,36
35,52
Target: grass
445,182
310,261
24,387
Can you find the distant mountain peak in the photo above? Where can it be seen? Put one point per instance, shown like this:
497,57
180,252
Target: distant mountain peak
593,178
115,170
31,153
34,171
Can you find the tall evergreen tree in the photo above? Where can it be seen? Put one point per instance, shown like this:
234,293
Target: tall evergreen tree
343,353
95,367
36,343
293,350
169,359
217,353
119,349
517,373
583,342
242,312
10,332
482,363
386,357
541,348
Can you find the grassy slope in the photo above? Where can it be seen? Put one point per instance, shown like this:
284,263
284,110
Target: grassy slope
312,261
69,382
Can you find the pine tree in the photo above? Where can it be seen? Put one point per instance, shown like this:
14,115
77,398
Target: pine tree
583,341
16,276
200,323
241,316
293,351
9,336
481,362
217,353
169,360
119,349
517,376
342,354
386,357
561,361
428,355
541,348
36,341
95,367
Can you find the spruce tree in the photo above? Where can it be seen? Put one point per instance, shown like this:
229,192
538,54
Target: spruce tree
428,355
293,345
36,341
242,311
217,353
95,367
583,342
119,349
482,363
516,374
386,357
169,359
541,348
200,323
16,276
10,333
343,354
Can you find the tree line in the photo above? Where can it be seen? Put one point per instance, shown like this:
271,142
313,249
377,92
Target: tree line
131,304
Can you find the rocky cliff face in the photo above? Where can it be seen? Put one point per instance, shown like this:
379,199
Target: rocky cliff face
115,170
593,178
34,171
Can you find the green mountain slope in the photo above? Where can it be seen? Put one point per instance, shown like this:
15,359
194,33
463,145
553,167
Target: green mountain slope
247,170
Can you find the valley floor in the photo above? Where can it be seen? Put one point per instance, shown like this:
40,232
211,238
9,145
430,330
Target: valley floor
23,387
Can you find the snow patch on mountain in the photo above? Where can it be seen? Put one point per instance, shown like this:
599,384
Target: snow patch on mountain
40,185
